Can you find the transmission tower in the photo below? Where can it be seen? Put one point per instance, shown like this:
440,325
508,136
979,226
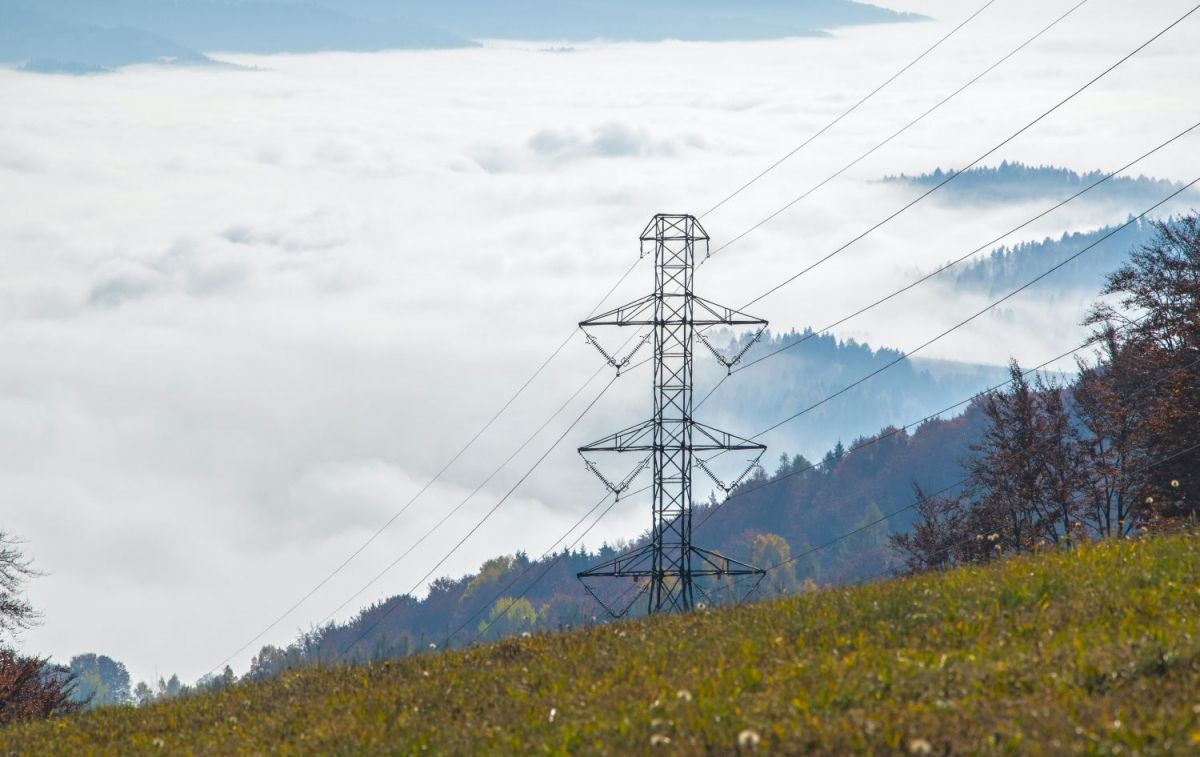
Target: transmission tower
672,443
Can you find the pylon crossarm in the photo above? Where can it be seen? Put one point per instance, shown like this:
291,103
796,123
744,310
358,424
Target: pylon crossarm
639,438
711,314
629,314
720,565
709,439
636,563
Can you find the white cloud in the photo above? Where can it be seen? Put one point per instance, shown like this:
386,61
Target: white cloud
247,312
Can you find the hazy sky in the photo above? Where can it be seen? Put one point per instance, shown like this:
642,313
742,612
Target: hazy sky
245,314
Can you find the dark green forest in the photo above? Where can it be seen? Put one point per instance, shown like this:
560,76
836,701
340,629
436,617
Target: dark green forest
1018,182
1008,267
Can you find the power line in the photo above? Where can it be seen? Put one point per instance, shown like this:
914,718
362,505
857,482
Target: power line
943,183
554,354
918,119
745,491
428,484
989,307
922,346
947,266
852,108
905,428
921,117
550,566
487,515
944,490
455,510
949,177
752,489
968,320
966,479
874,440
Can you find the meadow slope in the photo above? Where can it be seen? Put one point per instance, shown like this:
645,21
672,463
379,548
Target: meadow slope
1092,651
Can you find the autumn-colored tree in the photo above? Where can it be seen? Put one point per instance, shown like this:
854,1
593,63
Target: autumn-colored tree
772,552
1111,415
508,617
31,688
100,681
16,614
1025,476
939,534
1160,287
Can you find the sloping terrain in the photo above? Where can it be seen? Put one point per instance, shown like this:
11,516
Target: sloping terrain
1093,650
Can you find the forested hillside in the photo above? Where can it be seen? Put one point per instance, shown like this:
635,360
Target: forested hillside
1006,268
809,368
771,517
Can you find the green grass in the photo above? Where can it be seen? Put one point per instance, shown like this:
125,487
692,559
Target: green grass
1095,651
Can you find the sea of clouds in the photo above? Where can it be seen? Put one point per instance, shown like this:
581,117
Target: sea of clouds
246,313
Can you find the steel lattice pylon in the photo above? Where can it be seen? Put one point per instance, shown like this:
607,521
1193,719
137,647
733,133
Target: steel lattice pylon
672,442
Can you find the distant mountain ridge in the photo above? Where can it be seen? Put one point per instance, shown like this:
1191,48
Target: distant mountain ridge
86,35
71,34
51,45
648,20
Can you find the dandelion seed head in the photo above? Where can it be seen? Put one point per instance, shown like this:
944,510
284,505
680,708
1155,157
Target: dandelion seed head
659,739
920,746
748,739
683,695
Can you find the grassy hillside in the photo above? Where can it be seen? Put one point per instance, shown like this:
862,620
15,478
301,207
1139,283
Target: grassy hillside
1093,651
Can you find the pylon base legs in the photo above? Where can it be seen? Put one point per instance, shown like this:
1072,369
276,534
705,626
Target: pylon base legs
669,589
